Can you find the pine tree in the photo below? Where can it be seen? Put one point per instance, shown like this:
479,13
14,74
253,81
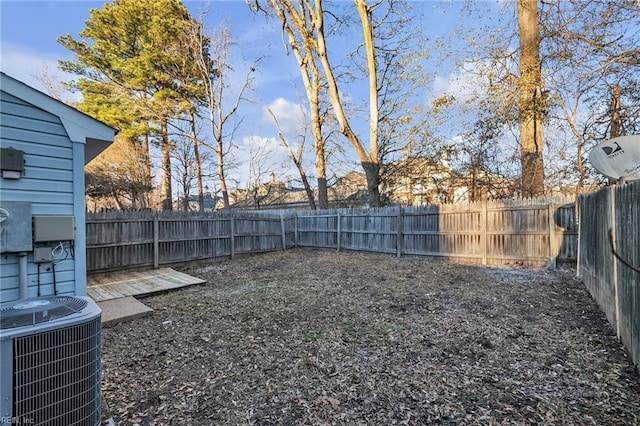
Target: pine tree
126,59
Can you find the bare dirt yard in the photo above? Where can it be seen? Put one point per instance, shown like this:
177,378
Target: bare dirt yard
313,337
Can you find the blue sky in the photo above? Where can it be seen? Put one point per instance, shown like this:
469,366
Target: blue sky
30,28
28,50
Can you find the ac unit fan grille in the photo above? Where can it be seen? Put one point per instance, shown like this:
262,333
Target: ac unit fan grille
38,310
57,376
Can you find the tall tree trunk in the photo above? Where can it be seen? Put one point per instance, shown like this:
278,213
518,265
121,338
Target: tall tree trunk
219,121
316,130
136,193
297,160
474,184
165,188
308,190
615,112
372,173
531,101
372,170
321,172
222,176
582,174
367,31
309,22
614,131
196,154
147,164
369,163
213,72
311,80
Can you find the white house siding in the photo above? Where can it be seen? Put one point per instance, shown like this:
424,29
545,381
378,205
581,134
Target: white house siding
48,183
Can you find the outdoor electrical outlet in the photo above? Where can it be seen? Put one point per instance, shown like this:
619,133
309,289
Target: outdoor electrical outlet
42,255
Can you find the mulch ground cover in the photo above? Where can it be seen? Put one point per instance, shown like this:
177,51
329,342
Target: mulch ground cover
314,337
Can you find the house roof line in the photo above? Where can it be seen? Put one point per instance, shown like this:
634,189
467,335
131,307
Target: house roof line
80,127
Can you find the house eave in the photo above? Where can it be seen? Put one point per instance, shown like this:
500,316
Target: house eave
80,127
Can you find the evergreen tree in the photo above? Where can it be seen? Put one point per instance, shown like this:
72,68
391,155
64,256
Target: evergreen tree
126,60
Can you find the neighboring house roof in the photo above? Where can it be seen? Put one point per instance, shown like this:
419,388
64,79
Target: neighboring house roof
209,201
272,194
80,127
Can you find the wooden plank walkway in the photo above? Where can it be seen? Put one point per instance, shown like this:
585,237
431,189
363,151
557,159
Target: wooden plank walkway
123,284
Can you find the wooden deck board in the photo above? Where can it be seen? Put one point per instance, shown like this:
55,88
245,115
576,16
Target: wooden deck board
98,294
116,285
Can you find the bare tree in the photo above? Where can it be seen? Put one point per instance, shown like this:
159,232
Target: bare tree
198,158
299,28
214,70
590,73
183,156
260,166
305,19
296,157
118,175
402,124
53,84
585,49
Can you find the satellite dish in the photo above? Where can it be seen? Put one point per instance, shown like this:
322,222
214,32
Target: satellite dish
618,158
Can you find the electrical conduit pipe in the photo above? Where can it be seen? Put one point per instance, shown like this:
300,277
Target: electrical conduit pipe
23,274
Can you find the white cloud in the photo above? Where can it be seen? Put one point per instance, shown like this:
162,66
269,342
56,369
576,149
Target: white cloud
265,150
463,83
290,115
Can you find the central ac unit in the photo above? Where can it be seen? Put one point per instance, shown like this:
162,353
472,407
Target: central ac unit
50,351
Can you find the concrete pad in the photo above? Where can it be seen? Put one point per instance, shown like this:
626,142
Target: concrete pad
122,309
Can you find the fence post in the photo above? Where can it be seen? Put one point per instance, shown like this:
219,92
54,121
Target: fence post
156,241
232,237
399,231
552,238
483,225
295,230
338,229
614,236
284,235
577,209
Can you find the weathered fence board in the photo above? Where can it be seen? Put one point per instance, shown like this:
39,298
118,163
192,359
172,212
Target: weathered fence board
489,233
318,230
609,217
119,241
528,232
596,264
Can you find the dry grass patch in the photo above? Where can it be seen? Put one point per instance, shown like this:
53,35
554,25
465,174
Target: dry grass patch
319,337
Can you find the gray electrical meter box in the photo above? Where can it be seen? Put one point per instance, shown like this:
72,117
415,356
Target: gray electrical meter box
15,227
11,159
53,228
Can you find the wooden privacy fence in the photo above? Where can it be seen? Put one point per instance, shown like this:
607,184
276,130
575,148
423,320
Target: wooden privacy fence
531,232
119,240
609,217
